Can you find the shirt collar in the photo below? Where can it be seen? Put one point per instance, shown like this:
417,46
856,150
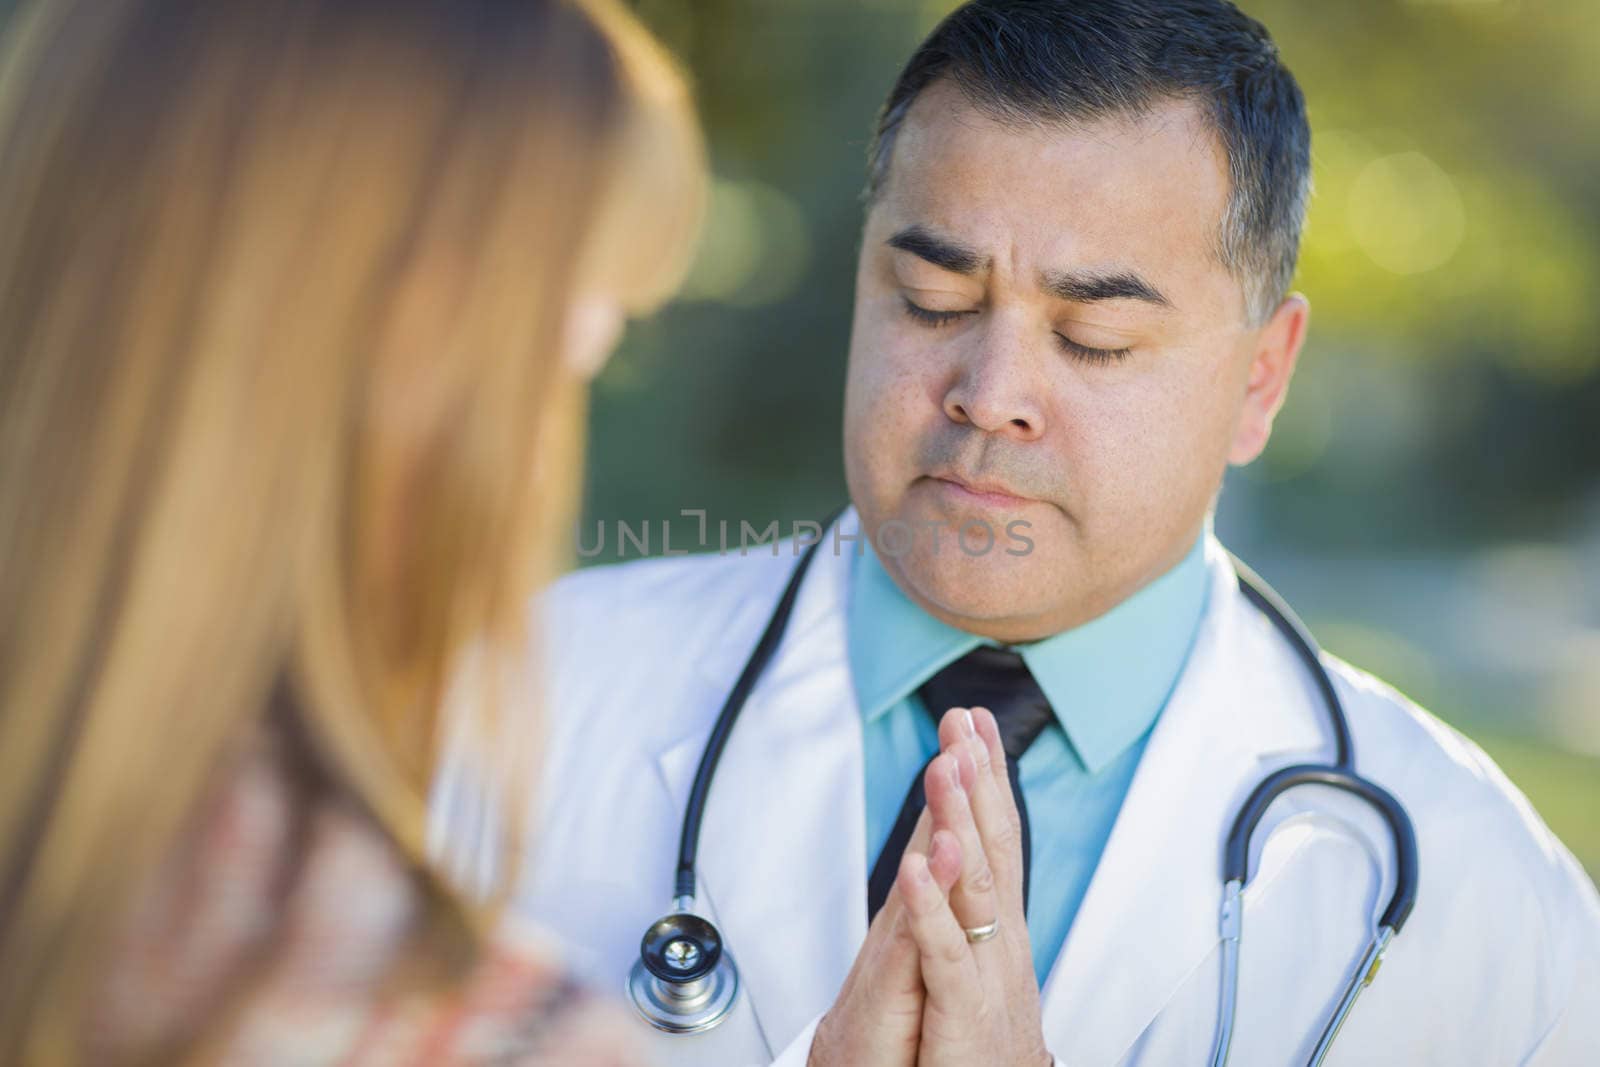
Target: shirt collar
1106,680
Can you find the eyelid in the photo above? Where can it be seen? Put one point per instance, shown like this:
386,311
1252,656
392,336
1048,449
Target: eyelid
935,319
923,288
1089,354
1102,327
1121,341
929,316
1116,330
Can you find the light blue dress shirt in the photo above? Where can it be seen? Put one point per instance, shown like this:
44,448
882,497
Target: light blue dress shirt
1106,680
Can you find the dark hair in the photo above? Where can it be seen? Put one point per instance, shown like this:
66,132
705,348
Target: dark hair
1025,61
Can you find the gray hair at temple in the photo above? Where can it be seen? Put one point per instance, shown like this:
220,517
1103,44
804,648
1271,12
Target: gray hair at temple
1032,61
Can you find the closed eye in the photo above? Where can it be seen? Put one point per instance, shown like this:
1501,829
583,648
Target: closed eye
929,317
1097,356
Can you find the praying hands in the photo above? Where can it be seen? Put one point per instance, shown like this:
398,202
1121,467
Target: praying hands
946,973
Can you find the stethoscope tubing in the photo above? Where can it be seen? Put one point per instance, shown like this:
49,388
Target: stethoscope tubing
771,637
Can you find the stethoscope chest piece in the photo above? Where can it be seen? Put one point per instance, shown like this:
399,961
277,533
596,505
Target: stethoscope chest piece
684,981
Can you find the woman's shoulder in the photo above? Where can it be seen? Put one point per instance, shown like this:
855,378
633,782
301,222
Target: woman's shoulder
286,929
351,932
518,1006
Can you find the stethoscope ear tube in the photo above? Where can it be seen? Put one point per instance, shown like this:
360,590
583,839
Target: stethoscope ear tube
1236,851
1341,774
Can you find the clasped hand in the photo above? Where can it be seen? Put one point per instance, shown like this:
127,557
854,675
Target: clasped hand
920,991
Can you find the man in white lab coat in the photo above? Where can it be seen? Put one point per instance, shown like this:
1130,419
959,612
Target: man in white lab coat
1072,314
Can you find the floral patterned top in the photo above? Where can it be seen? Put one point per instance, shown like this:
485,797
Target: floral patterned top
271,931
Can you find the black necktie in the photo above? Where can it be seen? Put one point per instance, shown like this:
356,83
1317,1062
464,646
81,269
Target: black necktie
986,677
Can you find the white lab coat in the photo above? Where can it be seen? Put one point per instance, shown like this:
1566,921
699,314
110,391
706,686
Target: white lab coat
1499,964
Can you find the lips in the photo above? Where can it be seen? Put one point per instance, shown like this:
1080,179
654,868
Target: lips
985,490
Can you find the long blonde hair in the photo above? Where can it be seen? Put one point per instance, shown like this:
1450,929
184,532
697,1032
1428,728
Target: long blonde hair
282,292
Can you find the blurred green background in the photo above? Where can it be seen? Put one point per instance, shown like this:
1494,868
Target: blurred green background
1431,498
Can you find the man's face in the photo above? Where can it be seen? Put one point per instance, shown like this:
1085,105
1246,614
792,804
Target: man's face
1041,314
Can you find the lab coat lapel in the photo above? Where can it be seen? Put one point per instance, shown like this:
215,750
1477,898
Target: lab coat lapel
1150,914
782,859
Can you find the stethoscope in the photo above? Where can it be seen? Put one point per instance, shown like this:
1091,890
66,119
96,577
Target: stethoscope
686,981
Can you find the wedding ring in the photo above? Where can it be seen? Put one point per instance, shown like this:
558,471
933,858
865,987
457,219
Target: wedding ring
982,933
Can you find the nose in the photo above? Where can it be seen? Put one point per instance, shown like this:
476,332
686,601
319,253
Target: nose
996,387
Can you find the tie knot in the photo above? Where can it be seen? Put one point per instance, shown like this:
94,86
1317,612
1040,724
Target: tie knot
997,679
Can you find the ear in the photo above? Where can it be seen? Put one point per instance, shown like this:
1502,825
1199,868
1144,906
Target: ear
1277,347
591,332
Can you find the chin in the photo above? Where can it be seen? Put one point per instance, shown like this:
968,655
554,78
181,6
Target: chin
969,590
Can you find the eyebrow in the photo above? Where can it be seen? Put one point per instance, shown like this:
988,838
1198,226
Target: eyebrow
1087,287
1080,287
940,251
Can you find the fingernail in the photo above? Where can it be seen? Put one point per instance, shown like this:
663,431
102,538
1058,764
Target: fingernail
955,771
968,728
980,752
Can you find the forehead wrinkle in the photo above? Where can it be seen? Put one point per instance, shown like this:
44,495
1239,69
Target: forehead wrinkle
937,131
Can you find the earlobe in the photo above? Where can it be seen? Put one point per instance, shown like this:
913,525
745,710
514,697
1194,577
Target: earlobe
593,327
1277,349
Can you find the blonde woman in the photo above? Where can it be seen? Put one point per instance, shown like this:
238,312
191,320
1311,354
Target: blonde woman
298,300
